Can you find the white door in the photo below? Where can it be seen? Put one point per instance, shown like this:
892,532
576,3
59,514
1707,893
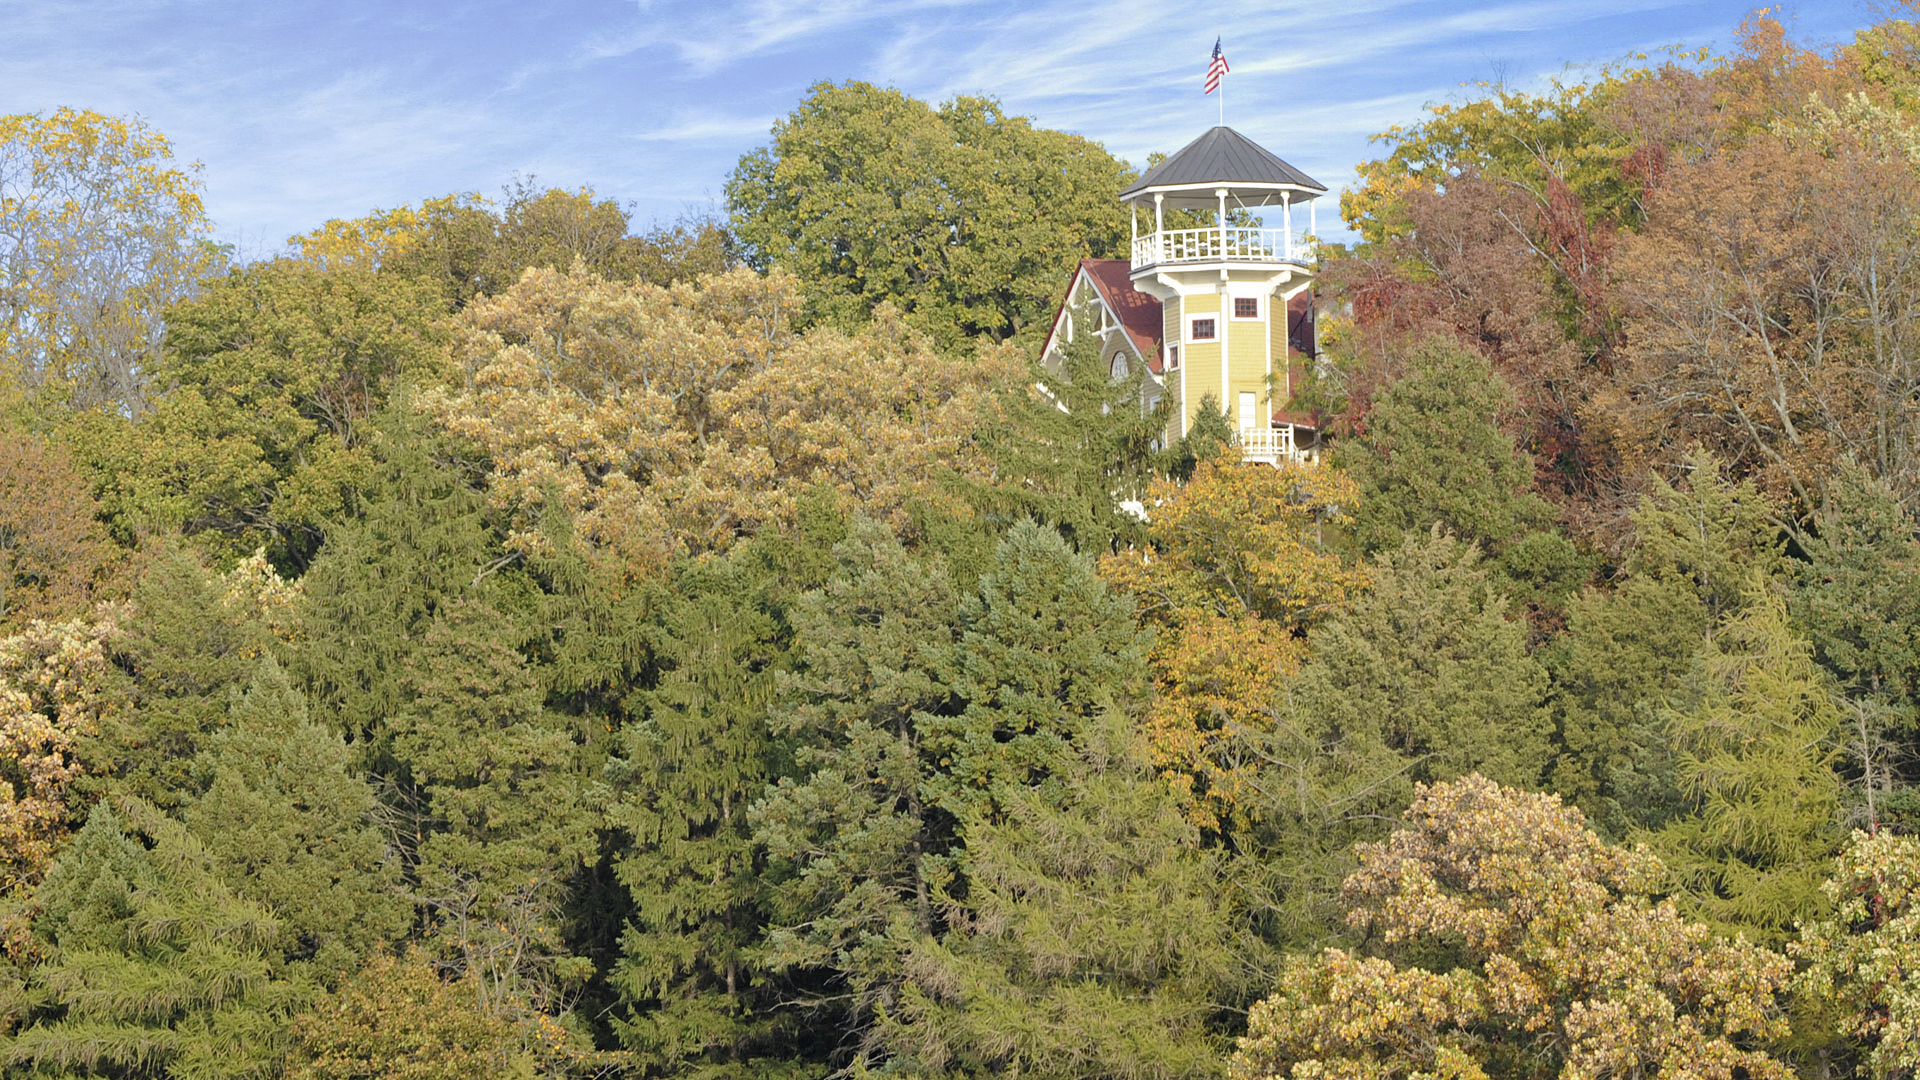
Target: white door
1247,414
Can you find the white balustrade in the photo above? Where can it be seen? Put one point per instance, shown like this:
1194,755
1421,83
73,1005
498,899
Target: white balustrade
1212,245
1270,446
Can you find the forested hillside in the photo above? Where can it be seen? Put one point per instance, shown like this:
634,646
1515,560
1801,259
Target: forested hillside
496,638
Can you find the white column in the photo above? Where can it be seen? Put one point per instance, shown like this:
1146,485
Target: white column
1313,217
1133,223
1222,223
1160,230
1286,220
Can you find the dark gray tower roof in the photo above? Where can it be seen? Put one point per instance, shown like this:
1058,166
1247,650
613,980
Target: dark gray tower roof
1223,158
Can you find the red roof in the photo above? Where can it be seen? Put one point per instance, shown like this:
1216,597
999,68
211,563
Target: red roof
1139,314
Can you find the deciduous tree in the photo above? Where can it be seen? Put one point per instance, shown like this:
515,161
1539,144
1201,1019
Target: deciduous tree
1548,958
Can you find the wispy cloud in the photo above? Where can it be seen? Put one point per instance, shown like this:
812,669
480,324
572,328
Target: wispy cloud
308,109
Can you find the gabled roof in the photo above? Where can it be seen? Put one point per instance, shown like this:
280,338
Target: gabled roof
1222,157
1137,313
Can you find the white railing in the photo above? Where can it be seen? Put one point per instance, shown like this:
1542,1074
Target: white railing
1214,245
1273,445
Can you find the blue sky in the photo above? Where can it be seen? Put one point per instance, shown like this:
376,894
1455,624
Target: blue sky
302,111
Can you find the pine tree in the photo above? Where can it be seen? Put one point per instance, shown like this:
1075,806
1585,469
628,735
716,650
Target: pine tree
1696,548
1433,452
190,643
855,853
1074,444
288,825
1856,597
1424,678
1091,939
691,984
1044,649
1757,734
419,537
156,966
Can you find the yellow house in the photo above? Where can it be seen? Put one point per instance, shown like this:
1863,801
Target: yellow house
1223,310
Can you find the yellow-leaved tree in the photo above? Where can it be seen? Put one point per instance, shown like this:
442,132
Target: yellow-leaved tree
1518,944
1237,569
101,231
52,692
640,421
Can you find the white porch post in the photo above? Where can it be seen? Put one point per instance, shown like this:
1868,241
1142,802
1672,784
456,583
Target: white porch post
1159,226
1133,222
1222,223
1286,220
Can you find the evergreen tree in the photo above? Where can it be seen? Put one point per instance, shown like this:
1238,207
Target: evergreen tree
1696,547
1433,452
1210,436
1757,734
1856,596
1074,443
288,825
156,966
855,853
1091,939
1424,678
1044,649
420,536
691,983
499,794
191,642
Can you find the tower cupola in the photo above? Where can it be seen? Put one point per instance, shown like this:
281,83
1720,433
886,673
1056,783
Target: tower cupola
1227,282
1221,171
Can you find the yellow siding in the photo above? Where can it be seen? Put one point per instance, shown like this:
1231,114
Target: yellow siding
1247,349
1170,335
1282,388
1202,360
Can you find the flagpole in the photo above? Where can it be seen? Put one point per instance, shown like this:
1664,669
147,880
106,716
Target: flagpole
1223,89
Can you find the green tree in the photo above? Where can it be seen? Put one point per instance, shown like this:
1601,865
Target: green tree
1856,596
266,396
1091,939
1757,735
1072,445
1424,678
1697,548
693,986
1044,651
1433,452
288,825
855,852
965,218
156,966
193,639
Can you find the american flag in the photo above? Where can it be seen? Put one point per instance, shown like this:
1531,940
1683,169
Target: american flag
1217,68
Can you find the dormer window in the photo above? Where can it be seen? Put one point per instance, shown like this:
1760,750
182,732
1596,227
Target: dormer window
1203,329
1246,307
